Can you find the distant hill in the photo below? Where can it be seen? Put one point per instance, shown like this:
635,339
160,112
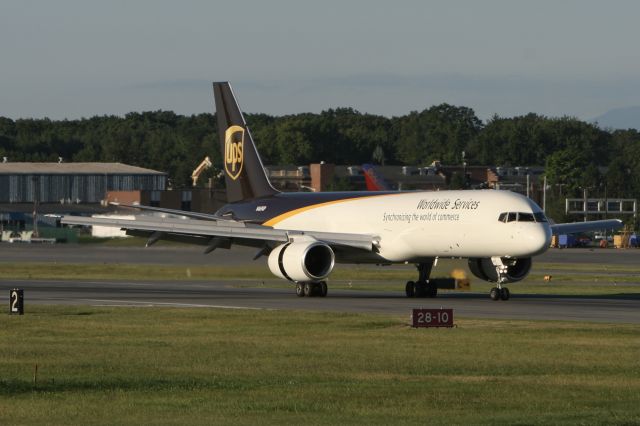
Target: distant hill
620,118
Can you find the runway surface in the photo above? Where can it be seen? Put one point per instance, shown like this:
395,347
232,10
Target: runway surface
232,294
228,294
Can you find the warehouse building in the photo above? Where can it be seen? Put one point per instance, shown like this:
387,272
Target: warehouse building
49,190
73,183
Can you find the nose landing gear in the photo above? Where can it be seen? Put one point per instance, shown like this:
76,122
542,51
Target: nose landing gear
500,292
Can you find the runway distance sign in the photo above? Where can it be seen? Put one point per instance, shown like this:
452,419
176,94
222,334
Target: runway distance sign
16,301
432,318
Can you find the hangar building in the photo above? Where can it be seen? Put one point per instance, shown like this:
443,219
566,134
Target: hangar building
48,190
73,183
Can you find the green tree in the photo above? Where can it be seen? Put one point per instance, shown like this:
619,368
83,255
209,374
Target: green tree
441,132
565,168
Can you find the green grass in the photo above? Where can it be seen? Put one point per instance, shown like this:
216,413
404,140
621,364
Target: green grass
125,242
588,267
126,271
205,366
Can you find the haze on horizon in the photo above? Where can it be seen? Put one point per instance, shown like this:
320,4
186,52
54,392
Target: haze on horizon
79,58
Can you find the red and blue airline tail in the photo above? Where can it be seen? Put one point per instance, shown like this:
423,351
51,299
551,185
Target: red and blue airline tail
374,181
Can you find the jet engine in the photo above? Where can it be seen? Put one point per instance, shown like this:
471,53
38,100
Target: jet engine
515,269
302,261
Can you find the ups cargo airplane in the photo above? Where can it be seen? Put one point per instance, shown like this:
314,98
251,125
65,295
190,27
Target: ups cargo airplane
305,234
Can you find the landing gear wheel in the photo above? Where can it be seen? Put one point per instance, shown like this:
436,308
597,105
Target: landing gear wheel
410,289
420,289
504,293
308,289
494,294
323,289
299,290
432,290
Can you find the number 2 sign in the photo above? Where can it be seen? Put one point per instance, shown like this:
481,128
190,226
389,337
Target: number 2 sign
16,301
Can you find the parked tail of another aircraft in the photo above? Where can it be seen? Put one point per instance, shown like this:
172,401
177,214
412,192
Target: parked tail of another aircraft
373,179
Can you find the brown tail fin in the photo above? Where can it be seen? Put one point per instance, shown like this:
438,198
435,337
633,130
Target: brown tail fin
245,176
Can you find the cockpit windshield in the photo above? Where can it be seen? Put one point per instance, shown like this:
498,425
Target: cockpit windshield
540,217
521,217
525,217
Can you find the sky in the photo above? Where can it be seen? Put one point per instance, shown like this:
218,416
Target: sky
80,58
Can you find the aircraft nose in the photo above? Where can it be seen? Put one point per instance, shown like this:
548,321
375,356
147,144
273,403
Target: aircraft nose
539,239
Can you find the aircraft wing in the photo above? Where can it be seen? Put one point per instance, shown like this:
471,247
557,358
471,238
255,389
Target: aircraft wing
195,215
577,227
218,233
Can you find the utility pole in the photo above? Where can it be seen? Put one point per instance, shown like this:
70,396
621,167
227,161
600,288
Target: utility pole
584,205
464,171
36,196
544,195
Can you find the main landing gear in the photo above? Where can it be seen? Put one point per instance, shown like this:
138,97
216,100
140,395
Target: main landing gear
311,289
422,287
500,292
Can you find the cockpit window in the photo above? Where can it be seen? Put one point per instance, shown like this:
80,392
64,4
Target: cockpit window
540,217
522,217
525,217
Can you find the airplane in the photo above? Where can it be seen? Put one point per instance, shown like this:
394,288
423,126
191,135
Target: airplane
305,234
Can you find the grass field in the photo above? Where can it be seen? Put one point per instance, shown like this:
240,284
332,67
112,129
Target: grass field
205,366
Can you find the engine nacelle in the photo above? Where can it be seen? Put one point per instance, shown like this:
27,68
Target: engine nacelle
516,269
302,261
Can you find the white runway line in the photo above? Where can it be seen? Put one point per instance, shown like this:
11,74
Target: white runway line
184,305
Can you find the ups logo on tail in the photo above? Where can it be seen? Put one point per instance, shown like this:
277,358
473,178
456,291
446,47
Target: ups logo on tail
233,151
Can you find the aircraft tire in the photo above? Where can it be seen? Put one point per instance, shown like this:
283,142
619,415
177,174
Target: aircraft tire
323,288
299,290
505,294
494,294
432,290
418,289
308,289
409,289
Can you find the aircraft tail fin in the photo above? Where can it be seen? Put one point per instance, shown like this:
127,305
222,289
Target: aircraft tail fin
373,179
245,176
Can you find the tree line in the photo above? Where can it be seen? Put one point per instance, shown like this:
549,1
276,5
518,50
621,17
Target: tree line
576,154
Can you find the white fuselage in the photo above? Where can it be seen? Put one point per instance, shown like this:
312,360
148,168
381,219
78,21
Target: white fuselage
414,225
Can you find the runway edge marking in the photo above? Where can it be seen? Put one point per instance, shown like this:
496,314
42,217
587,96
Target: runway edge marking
187,305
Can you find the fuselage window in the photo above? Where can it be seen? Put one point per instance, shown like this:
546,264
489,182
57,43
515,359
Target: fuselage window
525,217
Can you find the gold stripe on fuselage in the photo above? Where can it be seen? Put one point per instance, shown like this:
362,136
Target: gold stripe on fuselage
277,219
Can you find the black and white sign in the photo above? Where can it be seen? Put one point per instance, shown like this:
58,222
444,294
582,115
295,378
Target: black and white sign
16,301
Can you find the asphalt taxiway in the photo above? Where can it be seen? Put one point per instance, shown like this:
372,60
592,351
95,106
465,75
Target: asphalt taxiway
239,294
232,294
